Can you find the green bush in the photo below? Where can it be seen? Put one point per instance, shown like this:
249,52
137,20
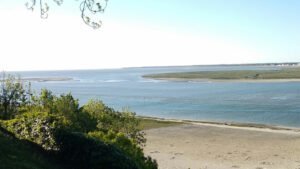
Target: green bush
60,126
37,127
53,132
78,151
118,122
22,154
129,147
64,105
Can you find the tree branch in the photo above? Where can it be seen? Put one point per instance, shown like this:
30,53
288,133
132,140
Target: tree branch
89,10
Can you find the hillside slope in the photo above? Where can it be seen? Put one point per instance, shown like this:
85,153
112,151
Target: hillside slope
18,154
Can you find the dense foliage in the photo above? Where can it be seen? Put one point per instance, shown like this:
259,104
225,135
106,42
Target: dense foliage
79,151
22,154
14,95
88,136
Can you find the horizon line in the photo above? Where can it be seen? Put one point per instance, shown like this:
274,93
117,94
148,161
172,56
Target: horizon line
163,66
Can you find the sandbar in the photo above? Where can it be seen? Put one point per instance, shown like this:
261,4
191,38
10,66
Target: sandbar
47,79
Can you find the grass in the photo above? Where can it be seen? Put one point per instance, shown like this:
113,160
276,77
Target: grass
18,154
151,123
285,73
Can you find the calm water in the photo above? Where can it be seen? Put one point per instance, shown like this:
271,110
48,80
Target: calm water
267,103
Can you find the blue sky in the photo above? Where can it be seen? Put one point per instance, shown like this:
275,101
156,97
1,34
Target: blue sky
154,33
262,23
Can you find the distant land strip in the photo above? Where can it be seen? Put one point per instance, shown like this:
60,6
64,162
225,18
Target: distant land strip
286,73
241,64
46,79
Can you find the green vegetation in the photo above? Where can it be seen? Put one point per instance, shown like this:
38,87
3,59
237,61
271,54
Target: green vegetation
151,123
13,96
285,73
92,136
20,154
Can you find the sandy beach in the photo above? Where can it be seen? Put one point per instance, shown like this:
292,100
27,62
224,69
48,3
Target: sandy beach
205,146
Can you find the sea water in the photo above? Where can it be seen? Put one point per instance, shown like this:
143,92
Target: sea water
271,103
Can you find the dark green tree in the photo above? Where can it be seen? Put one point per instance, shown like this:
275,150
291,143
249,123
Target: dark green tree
14,95
44,101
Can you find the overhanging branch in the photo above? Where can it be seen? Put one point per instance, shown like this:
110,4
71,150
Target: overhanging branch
89,10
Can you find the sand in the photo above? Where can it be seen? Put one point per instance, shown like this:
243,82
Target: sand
202,146
47,79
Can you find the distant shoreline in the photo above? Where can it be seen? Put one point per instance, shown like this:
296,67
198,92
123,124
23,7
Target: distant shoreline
237,125
279,64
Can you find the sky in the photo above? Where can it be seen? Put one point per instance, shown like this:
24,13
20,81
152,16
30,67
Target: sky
150,33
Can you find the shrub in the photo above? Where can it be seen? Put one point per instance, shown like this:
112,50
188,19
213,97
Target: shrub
37,127
79,151
129,147
60,126
119,122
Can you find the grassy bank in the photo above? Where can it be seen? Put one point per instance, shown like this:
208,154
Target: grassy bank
285,73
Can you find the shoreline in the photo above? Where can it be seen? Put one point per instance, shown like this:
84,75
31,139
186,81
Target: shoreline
202,146
225,80
232,125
